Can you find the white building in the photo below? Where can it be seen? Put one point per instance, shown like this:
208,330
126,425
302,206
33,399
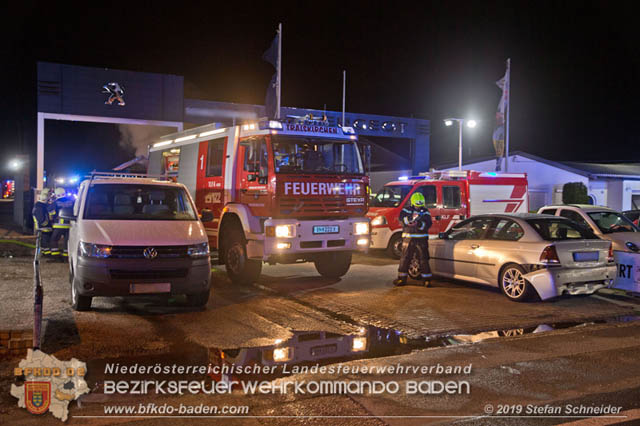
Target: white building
616,185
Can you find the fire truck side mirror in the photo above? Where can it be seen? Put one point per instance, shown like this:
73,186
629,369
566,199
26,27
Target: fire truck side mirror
206,215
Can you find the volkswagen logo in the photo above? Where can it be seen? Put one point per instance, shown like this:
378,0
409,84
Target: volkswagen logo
150,253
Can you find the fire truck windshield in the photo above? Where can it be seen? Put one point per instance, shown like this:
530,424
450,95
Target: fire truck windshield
390,196
295,155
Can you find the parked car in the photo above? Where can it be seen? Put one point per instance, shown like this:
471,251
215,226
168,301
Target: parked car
524,255
136,236
632,215
604,222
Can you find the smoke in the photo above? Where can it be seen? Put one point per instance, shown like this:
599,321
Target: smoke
137,138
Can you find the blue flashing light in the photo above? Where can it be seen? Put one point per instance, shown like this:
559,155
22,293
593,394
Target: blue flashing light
270,124
492,174
403,178
74,179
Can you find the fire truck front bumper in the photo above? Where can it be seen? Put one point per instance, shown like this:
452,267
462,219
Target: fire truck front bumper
286,239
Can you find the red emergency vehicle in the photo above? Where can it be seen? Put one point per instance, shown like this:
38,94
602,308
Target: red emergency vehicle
280,192
451,196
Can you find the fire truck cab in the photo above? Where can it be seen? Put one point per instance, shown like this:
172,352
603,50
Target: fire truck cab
280,192
451,196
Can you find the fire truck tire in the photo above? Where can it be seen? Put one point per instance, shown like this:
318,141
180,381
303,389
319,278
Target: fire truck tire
333,264
240,269
199,299
394,249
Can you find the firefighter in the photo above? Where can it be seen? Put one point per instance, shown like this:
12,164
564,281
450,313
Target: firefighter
42,221
416,222
60,226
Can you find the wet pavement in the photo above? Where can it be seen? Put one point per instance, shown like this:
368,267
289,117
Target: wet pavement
520,351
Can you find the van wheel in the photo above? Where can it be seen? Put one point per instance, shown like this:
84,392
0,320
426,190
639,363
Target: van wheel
333,264
78,302
199,299
240,269
514,285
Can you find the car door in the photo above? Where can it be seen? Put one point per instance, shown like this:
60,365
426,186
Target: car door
454,254
451,206
501,240
253,176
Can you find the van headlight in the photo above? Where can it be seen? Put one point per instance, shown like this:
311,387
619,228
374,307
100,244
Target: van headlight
361,228
379,220
198,250
94,250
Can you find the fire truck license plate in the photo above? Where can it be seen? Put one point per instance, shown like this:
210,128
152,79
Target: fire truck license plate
150,288
331,229
324,350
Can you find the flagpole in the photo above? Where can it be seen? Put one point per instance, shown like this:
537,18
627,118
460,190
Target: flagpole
279,71
506,130
344,93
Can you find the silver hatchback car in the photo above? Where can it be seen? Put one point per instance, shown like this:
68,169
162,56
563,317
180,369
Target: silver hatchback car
524,254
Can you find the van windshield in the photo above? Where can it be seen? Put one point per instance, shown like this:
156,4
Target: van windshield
390,196
295,155
138,202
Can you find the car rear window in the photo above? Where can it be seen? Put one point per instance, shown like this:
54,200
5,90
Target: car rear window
560,229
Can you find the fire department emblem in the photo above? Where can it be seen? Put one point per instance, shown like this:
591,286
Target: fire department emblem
37,396
115,92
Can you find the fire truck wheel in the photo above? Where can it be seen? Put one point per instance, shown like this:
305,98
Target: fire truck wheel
78,302
333,264
394,249
240,269
199,299
514,285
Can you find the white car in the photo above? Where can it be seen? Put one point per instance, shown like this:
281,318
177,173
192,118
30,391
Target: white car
604,222
133,236
524,255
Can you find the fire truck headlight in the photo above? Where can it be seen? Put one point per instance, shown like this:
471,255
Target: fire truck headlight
285,231
363,242
359,344
94,250
198,250
281,354
283,246
379,220
361,228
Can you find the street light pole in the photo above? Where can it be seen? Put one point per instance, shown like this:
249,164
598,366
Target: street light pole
460,144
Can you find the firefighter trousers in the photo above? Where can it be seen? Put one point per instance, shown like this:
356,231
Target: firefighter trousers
59,234
415,247
45,241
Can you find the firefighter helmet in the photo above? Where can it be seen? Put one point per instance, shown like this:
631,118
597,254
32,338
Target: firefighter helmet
417,199
60,192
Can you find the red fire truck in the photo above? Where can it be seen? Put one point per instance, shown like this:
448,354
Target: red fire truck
451,196
280,192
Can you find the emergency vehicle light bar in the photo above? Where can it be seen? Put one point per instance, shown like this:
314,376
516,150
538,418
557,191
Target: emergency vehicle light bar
270,124
115,175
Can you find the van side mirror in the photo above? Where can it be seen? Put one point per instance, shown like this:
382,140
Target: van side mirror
206,215
67,213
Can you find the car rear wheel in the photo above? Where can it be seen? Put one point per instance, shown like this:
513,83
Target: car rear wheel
78,302
333,264
240,269
394,249
514,285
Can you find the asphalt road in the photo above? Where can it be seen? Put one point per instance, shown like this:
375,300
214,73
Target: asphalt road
570,348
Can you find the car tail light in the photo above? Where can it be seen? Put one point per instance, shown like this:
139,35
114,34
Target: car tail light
550,256
610,257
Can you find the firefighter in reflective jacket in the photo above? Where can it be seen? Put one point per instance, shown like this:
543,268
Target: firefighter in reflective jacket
416,222
60,226
42,221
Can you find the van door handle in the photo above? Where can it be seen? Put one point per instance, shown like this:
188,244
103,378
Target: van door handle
474,246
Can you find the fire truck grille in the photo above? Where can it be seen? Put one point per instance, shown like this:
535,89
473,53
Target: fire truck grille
313,206
137,252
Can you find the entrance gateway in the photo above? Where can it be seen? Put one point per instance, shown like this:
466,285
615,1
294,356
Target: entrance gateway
79,93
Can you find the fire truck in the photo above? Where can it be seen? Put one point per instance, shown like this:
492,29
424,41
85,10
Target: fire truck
451,196
280,191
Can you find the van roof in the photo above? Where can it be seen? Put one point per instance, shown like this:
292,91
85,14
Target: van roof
131,180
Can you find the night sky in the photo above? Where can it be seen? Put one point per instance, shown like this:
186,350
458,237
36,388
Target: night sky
574,67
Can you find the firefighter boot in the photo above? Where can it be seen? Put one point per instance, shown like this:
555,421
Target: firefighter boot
400,281
426,280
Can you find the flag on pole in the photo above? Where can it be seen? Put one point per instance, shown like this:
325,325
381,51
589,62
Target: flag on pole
271,98
498,132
